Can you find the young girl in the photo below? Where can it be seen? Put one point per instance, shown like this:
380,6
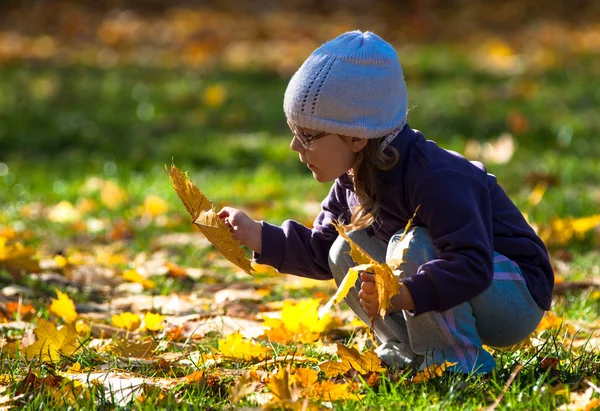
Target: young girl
474,273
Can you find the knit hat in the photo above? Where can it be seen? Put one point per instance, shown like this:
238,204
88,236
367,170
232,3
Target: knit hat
352,85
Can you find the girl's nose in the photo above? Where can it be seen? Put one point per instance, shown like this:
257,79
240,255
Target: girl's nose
296,146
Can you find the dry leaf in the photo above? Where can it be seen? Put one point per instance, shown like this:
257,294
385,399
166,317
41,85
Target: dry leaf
581,401
385,281
345,286
351,358
111,195
299,322
305,377
135,277
435,370
154,206
205,218
244,386
330,391
134,349
153,322
359,256
284,391
53,342
63,307
15,258
18,309
236,346
127,321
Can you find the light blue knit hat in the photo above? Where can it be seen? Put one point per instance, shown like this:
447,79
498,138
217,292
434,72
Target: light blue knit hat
352,85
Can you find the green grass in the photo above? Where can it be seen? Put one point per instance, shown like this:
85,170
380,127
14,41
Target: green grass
62,125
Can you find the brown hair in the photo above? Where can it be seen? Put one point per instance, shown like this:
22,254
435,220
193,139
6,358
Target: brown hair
367,184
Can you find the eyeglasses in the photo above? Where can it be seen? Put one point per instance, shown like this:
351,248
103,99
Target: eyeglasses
306,139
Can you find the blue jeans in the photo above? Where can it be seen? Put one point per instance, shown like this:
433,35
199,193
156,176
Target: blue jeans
502,315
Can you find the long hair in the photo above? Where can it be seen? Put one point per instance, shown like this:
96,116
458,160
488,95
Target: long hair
367,184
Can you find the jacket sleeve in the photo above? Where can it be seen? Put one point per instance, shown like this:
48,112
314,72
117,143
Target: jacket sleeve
456,209
296,249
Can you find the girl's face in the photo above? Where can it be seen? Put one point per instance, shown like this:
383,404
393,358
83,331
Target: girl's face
329,156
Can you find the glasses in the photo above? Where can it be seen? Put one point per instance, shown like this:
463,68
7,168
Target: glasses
306,139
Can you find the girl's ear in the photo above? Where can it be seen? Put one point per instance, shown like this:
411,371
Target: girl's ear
357,143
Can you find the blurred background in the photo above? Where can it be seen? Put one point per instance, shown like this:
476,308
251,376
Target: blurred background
105,93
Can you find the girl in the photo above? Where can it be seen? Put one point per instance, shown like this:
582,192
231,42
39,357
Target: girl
474,273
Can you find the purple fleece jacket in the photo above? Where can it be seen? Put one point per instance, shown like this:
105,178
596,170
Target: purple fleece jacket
466,212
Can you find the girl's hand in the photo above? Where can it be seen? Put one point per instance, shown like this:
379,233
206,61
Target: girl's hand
368,295
244,229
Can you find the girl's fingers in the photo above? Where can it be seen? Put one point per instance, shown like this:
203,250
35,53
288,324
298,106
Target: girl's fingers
224,212
366,277
369,288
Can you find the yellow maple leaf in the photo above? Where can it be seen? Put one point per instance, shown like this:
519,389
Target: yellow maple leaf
64,307
561,231
111,195
435,370
331,391
304,377
214,95
153,322
236,346
244,385
299,322
351,358
135,277
134,349
154,206
205,218
284,391
359,256
16,258
53,342
126,320
386,283
345,286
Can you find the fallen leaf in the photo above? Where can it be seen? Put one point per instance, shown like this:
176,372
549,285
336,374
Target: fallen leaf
236,346
154,206
64,307
128,321
16,258
214,95
205,218
153,322
305,377
350,358
135,277
299,322
581,401
133,349
331,391
245,385
53,342
284,391
435,370
18,309
111,195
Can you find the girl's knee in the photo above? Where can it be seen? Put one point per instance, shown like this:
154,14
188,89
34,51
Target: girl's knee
338,259
414,250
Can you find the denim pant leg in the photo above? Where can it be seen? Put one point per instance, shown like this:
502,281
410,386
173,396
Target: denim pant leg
390,333
449,335
504,314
